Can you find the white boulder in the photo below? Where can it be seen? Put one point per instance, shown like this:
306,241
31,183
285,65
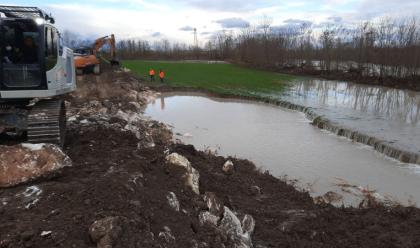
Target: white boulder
228,167
173,201
192,176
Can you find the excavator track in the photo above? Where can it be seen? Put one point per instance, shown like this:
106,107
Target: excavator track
47,122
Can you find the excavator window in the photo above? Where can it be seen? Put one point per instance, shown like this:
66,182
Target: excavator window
51,47
19,46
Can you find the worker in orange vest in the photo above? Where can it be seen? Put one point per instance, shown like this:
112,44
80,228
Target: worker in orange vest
152,75
161,75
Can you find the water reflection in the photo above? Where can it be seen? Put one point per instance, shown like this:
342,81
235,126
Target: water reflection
401,105
162,103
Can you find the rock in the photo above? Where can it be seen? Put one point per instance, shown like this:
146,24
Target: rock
255,190
30,196
107,104
193,180
192,177
132,118
173,201
136,105
214,205
248,224
206,217
331,197
132,96
103,110
179,160
106,231
167,235
230,224
232,227
45,233
328,198
70,119
228,168
26,162
95,103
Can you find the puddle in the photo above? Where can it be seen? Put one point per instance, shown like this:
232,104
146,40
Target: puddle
284,143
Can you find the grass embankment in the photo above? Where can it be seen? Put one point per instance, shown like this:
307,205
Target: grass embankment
217,78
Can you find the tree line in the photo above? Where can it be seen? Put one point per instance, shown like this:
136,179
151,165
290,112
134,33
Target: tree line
388,48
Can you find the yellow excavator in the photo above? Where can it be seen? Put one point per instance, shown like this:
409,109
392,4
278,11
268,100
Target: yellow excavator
87,58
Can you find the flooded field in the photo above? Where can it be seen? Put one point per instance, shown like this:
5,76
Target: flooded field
285,143
387,114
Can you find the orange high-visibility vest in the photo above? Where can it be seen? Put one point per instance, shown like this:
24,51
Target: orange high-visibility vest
161,74
152,72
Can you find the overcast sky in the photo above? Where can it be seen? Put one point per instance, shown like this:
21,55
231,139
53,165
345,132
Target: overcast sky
175,20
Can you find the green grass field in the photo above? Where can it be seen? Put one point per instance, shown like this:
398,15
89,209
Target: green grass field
218,78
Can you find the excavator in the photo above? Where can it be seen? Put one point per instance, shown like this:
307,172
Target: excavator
36,72
87,58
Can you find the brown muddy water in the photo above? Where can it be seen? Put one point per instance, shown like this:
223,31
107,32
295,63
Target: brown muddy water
285,143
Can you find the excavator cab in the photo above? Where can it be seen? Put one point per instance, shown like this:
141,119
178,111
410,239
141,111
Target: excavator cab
35,71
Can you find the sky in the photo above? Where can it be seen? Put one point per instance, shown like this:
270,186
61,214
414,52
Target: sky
176,20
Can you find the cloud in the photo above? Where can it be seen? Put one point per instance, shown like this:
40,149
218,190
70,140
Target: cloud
233,23
187,28
224,5
335,19
297,22
156,34
173,18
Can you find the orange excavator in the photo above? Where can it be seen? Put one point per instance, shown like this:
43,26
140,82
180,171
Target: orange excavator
87,58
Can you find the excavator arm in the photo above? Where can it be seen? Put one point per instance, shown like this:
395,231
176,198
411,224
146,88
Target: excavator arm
99,43
91,61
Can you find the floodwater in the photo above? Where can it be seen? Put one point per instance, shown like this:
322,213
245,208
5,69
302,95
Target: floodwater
388,114
284,142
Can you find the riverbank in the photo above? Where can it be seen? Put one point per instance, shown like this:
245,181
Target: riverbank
348,76
123,184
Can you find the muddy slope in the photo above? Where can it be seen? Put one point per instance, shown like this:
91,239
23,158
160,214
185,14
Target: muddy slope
127,178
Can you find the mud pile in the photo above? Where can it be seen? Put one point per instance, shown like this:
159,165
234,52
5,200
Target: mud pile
130,186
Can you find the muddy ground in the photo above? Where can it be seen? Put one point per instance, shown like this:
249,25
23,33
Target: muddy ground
121,173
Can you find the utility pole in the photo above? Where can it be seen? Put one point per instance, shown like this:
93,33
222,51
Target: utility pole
196,50
195,38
